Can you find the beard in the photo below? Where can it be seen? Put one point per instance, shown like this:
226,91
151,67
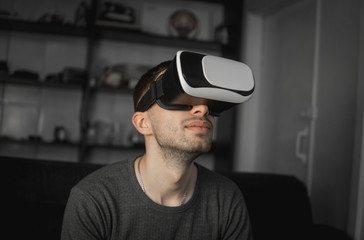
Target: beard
177,144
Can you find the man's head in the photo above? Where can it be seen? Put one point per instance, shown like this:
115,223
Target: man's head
188,92
178,133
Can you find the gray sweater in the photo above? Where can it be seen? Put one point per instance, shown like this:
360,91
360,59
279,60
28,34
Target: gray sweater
110,204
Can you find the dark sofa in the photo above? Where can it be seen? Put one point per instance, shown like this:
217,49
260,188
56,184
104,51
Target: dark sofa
36,192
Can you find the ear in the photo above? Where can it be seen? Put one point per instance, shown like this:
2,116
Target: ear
140,122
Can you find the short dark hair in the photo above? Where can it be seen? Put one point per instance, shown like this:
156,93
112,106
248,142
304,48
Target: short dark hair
146,79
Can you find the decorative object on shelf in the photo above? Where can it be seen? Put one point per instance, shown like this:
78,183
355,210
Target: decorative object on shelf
178,19
222,34
133,72
113,77
91,133
116,15
114,134
123,134
52,17
136,138
8,14
60,134
122,75
73,75
25,74
35,138
101,133
4,69
82,14
105,133
183,24
68,75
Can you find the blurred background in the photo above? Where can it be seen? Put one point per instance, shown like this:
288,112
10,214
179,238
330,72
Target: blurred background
67,70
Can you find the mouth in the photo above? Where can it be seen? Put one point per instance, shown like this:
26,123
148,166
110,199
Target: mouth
199,126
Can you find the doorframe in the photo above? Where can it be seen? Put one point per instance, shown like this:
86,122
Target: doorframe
314,108
356,213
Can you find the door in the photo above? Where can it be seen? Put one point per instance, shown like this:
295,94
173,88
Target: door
287,87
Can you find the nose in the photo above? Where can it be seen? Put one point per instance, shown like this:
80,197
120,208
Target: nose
200,110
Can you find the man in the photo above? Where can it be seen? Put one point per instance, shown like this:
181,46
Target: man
164,194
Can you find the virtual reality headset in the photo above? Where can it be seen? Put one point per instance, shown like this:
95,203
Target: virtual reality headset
194,78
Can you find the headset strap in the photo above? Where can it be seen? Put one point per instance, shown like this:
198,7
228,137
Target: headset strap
154,92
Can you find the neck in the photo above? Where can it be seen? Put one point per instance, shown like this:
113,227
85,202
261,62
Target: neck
166,183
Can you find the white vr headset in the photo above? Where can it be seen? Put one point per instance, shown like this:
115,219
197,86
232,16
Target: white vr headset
194,78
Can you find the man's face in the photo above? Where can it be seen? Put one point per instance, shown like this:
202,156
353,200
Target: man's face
187,131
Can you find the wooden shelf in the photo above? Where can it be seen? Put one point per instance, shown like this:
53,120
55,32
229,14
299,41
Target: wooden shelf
111,33
136,36
117,90
44,28
116,147
5,140
6,79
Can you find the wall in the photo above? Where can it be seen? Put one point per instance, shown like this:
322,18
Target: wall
334,139
337,84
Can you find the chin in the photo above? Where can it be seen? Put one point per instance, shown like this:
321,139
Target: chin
201,148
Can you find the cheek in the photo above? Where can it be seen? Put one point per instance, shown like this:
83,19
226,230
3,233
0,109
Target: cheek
212,119
163,121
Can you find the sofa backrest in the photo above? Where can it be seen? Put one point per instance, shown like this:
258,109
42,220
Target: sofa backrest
36,195
278,205
37,192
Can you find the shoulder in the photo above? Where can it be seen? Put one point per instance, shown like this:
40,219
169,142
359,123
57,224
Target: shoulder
213,176
106,177
212,180
221,192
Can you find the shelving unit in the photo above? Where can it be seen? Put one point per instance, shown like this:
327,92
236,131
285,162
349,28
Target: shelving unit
93,34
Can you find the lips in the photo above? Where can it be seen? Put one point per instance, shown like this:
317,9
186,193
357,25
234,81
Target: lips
199,123
199,126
